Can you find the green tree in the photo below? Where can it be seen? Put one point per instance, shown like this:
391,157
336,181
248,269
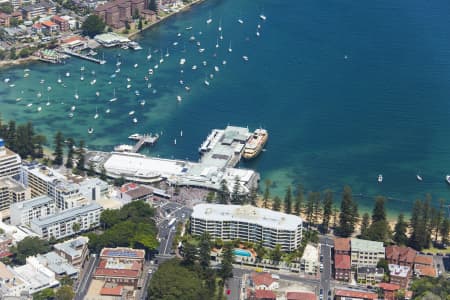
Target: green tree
298,200
379,212
444,231
417,227
65,293
46,294
235,196
136,14
379,229
24,52
6,8
76,227
437,221
153,6
80,155
226,270
58,153
276,253
327,210
140,25
348,214
288,201
205,252
12,53
400,230
190,254
103,175
29,246
172,281
127,25
276,203
93,25
309,210
253,196
365,223
70,153
223,192
210,197
266,195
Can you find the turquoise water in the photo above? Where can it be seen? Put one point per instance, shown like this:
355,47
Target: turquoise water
347,90
241,252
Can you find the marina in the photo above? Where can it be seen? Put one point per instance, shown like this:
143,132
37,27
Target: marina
220,153
85,57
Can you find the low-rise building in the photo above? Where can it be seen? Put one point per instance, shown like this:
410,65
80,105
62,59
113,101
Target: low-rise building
342,246
22,213
248,223
343,294
263,281
300,296
50,27
389,290
398,255
62,23
369,275
342,267
425,271
121,266
9,161
366,253
43,8
74,250
132,192
264,295
68,222
58,265
309,263
36,276
400,275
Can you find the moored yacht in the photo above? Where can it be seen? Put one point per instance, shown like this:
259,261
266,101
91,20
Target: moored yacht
380,178
255,143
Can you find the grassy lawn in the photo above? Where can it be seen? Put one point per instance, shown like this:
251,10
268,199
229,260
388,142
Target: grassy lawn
437,250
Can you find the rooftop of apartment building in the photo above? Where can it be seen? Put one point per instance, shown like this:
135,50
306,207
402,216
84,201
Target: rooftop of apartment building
33,202
122,252
57,264
12,185
355,294
404,254
342,261
66,214
73,247
370,270
399,271
247,214
342,244
300,296
366,246
426,260
426,271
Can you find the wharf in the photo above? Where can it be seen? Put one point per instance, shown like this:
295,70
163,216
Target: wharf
86,57
146,139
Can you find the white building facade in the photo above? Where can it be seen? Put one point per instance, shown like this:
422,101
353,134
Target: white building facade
9,162
22,213
248,223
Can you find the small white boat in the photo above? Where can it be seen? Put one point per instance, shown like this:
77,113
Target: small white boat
209,21
263,17
128,86
257,33
82,68
59,79
91,130
217,43
204,63
419,177
97,93
12,85
117,70
175,141
137,93
211,76
201,50
207,82
245,58
131,113
175,43
216,68
259,26
224,62
447,178
187,28
42,81
154,91
26,75
380,178
149,85
49,88
18,99
194,67
135,120
96,114
107,110
198,43
221,37
161,60
179,34
142,102
81,77
156,67
181,132
240,21
181,82
6,80
76,96
70,115
39,94
48,103
229,48
167,53
93,81
73,108
67,74
118,63
179,98
150,71
39,109
29,104
187,88
135,65
182,61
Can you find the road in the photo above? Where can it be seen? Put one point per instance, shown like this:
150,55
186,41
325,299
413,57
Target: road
325,276
86,277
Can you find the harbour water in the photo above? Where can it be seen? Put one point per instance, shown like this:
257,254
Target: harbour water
347,90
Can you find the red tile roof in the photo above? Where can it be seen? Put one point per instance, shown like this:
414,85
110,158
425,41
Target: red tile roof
424,260
356,294
389,286
300,296
116,273
425,271
265,294
262,279
114,291
342,261
342,244
401,254
58,19
48,24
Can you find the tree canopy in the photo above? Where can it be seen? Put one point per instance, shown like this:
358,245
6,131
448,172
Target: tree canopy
430,288
93,25
29,246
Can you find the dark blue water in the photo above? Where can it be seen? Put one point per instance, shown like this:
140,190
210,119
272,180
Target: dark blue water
347,90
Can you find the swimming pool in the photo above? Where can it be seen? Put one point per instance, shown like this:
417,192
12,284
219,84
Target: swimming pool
242,252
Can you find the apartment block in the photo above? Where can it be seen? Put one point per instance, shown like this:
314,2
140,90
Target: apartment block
22,213
366,253
309,263
74,250
403,256
369,275
400,275
43,8
248,223
68,222
342,267
11,191
9,162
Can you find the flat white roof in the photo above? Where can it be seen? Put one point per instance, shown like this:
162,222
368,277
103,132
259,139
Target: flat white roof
247,214
310,253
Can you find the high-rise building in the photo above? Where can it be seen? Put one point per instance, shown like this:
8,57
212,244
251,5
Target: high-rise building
9,162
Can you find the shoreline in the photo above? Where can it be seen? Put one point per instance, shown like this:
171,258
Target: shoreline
18,62
148,26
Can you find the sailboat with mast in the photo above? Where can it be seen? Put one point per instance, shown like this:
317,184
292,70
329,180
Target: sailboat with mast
114,98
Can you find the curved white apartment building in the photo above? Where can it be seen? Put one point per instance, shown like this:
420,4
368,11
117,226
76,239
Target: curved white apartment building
248,223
